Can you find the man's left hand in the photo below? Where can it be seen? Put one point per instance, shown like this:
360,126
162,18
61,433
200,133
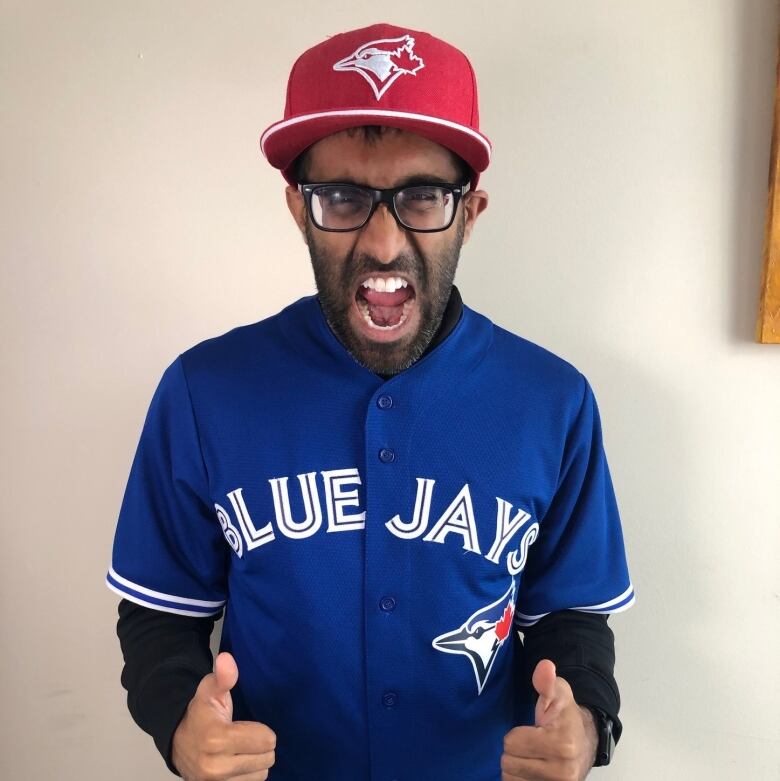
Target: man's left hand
562,745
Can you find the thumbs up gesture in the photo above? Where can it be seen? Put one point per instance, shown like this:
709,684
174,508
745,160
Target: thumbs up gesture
209,746
562,745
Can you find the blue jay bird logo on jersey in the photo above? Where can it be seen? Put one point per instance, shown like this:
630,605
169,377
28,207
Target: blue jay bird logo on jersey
482,635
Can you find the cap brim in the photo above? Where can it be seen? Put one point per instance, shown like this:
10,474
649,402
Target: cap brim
283,141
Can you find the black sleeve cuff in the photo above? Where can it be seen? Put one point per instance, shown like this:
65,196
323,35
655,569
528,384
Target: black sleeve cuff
163,701
590,690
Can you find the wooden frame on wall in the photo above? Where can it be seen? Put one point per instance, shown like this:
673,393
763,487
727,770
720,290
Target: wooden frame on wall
768,324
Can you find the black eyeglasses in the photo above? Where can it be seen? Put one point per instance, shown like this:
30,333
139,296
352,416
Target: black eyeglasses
342,206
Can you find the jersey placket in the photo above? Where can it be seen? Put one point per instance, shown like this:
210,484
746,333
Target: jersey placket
389,655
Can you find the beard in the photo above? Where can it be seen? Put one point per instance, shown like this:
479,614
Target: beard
336,280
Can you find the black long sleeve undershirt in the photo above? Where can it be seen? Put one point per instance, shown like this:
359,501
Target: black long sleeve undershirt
166,655
582,646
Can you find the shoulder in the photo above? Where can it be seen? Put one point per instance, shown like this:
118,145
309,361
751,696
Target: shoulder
519,363
246,345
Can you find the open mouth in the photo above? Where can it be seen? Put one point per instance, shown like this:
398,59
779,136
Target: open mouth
385,302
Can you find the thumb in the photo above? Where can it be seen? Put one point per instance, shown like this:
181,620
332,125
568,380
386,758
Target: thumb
544,681
225,672
214,688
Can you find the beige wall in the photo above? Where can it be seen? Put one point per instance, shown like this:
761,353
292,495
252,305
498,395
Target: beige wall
624,233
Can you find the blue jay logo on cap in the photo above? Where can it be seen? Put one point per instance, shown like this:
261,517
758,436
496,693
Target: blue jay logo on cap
382,62
481,635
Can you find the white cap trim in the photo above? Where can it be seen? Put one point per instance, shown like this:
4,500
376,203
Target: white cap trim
375,113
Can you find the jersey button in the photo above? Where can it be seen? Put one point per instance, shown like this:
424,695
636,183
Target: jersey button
384,401
386,455
389,699
387,604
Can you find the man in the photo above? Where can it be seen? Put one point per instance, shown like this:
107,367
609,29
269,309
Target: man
381,487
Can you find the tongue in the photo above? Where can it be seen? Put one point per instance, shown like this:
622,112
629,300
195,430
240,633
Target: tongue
385,308
385,299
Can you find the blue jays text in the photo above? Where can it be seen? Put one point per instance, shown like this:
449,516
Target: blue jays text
340,488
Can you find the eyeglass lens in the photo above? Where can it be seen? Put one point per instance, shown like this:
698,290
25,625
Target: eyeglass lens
344,207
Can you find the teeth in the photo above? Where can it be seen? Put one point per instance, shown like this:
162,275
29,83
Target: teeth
385,284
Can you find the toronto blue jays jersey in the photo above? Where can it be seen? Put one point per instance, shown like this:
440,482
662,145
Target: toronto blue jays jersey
377,544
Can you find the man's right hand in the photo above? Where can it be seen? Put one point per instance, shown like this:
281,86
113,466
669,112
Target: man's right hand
209,746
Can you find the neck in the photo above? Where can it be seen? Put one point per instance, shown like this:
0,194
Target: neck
449,320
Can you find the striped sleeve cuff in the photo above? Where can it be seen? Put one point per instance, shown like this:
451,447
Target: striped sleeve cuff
170,603
616,605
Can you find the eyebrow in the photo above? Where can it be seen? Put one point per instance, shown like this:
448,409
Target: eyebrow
408,181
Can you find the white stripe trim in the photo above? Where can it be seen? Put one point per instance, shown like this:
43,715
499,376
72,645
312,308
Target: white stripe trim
161,595
613,610
608,603
155,606
600,608
377,113
530,622
526,617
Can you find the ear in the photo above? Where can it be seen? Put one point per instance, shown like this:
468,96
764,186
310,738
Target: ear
297,207
474,202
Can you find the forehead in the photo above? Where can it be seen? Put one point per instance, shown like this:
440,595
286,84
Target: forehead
379,160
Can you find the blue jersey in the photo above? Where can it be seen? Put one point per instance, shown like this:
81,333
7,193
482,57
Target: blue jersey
376,544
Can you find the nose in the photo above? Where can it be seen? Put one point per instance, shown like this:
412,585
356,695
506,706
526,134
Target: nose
382,237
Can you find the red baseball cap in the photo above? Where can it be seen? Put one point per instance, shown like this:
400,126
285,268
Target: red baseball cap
380,75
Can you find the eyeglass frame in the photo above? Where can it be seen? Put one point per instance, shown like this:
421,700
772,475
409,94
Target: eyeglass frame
386,196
